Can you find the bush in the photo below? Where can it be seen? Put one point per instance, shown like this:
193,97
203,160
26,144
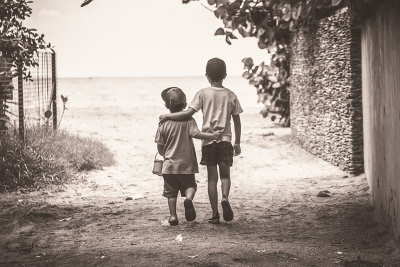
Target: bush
47,158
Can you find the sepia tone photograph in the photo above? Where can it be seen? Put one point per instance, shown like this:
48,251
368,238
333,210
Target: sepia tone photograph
205,133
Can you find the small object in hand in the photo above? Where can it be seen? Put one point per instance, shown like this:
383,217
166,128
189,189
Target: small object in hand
158,165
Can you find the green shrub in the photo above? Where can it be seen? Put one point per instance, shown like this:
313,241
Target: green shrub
48,157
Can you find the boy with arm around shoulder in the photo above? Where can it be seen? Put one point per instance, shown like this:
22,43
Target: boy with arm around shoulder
219,105
174,142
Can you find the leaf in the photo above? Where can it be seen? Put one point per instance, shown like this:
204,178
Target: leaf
286,12
247,75
219,31
231,35
248,62
336,2
262,44
228,41
86,2
221,12
296,11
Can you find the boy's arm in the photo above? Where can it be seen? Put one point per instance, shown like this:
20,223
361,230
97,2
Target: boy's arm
178,116
195,132
238,132
160,149
207,136
159,140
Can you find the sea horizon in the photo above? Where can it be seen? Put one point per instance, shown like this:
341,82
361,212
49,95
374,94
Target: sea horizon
140,77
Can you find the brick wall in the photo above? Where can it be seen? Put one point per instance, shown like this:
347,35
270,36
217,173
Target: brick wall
326,101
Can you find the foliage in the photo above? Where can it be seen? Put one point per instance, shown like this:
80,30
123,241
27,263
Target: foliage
18,48
18,43
48,157
273,23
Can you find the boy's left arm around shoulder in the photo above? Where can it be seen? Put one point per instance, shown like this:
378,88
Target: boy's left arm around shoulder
196,133
178,116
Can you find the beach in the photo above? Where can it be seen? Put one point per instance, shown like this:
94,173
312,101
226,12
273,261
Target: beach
117,216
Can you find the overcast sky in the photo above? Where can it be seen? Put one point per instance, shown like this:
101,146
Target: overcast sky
136,38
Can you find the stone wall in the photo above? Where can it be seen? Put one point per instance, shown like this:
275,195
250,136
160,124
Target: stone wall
381,94
326,102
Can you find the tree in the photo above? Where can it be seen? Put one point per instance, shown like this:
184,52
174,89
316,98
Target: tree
18,47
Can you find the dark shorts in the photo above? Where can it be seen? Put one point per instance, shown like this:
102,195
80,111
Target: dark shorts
217,154
173,183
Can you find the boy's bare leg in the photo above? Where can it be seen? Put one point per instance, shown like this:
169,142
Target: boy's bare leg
190,192
212,188
190,212
173,219
224,172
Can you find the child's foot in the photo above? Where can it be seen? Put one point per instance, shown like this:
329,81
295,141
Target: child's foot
214,219
227,210
173,221
190,212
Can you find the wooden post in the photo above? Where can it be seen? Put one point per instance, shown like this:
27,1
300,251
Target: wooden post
21,104
54,85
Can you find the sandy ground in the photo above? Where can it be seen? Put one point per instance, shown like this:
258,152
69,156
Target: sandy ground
117,217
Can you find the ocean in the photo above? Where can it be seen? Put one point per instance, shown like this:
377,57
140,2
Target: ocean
128,93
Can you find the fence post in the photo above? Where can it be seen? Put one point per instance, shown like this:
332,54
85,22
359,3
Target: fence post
54,85
21,103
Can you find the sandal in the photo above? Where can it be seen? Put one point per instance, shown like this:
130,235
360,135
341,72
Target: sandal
227,210
190,212
214,219
173,221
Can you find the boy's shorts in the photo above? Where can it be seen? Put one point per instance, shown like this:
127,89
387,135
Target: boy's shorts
217,153
173,183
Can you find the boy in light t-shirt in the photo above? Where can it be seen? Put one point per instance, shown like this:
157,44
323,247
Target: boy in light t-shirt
174,142
218,105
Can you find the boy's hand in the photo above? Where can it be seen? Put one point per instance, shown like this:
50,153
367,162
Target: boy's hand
237,150
163,118
216,135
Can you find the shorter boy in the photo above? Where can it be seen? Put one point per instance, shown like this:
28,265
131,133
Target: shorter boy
174,142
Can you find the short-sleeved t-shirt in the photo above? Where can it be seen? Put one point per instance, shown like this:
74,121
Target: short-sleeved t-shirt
217,105
179,151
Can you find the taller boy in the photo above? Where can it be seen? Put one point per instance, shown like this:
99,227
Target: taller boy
218,105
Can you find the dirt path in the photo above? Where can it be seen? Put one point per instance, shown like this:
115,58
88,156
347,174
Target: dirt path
117,217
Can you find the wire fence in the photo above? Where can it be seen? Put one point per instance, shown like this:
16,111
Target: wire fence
32,102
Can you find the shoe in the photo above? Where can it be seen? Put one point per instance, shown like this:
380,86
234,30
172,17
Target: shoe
173,221
214,219
227,210
190,212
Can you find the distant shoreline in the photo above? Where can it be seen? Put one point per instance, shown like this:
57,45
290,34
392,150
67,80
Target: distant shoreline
141,77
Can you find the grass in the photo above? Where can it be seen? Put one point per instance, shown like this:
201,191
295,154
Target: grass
48,158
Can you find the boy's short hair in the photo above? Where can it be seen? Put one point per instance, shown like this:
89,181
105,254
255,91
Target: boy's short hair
216,69
174,98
